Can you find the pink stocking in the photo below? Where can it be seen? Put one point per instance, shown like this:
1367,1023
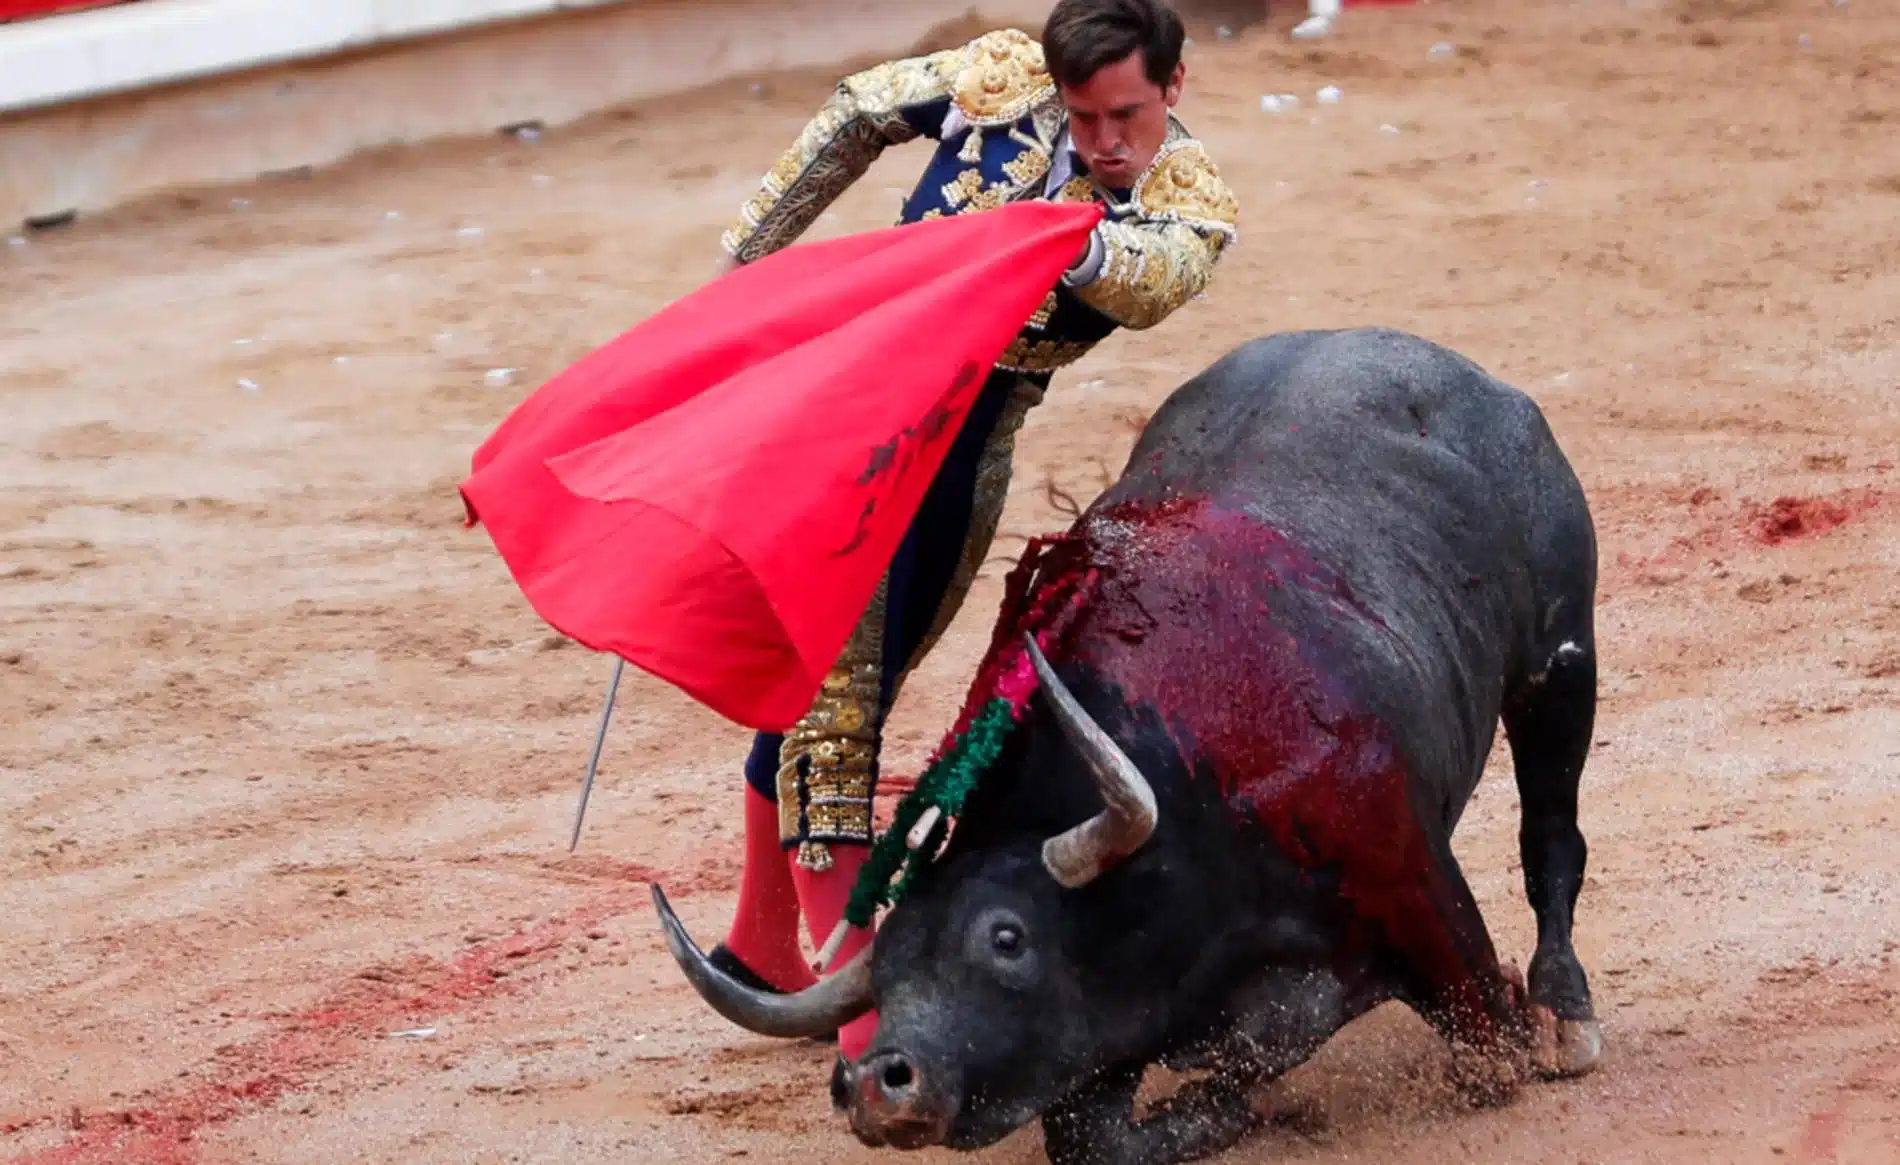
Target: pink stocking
764,933
823,897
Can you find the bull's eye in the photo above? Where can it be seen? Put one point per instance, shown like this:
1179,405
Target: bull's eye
999,943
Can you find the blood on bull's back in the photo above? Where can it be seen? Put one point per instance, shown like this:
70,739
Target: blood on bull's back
1248,650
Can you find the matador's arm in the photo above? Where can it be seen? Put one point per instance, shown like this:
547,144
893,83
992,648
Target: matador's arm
1144,266
869,112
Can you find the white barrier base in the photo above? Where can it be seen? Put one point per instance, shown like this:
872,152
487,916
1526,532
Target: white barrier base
136,46
91,152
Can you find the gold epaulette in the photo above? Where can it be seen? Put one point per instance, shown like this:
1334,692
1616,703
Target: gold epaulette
1178,220
1183,185
1003,77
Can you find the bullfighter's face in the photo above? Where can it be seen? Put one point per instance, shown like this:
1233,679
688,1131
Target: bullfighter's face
1118,118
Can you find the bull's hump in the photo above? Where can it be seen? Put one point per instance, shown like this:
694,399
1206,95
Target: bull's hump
1229,630
1194,550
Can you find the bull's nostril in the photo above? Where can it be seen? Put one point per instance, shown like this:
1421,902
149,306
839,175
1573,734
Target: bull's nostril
897,1076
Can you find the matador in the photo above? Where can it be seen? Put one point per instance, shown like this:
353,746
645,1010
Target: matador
1086,113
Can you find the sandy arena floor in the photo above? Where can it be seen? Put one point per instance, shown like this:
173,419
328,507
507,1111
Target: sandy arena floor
289,763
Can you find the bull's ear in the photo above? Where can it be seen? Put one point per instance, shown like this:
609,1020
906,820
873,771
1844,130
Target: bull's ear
1079,856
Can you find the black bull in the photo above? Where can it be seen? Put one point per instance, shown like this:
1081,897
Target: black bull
1333,562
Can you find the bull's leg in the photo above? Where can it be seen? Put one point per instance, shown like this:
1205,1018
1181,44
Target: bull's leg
1282,1020
1549,726
1095,1127
1452,976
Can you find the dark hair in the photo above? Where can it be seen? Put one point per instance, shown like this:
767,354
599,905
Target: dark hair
1081,36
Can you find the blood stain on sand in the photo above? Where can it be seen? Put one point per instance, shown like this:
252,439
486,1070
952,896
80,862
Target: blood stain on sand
377,999
1788,518
1821,1135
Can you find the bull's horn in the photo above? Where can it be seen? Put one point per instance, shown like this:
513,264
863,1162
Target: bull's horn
818,1010
1077,857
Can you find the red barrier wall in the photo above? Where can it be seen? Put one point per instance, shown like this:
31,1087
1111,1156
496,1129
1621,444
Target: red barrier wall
27,9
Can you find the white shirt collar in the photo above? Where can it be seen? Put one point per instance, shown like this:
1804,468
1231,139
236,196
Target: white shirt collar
1062,166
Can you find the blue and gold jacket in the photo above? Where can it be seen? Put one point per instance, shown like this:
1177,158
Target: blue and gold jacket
995,111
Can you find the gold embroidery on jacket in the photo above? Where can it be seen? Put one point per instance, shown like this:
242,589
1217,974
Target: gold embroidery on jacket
1029,355
1028,167
1040,319
962,188
1076,190
1003,77
1180,218
1182,185
863,117
828,761
1002,80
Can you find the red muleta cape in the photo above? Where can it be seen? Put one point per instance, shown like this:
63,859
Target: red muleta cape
715,494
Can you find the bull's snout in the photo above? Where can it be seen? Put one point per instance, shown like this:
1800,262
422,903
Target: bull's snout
892,1077
892,1103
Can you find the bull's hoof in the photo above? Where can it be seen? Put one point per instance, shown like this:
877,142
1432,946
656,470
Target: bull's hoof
1516,1025
1562,1048
1515,978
